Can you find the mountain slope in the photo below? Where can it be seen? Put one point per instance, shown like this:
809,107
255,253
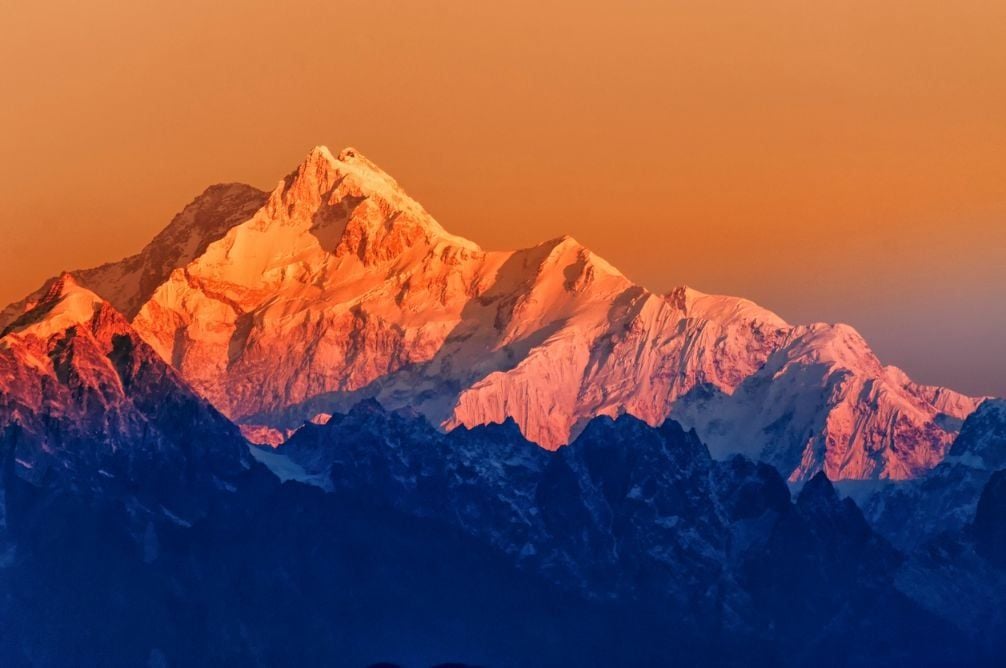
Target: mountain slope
824,402
629,512
337,287
127,284
944,499
86,405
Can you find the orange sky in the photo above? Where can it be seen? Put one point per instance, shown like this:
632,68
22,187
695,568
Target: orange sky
841,161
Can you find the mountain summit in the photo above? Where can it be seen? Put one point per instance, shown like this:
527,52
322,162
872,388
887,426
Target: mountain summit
63,304
287,306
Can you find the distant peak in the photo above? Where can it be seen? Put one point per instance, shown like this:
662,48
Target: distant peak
982,441
696,304
319,160
63,287
320,168
348,153
60,287
64,304
564,240
682,297
372,216
818,491
565,249
322,156
320,152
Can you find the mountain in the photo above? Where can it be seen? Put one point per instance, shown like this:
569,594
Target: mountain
127,284
87,407
959,573
910,513
337,286
715,550
410,514
551,513
822,401
950,528
632,546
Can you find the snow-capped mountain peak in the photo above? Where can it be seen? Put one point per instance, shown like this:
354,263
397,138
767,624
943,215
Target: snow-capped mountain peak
355,208
64,304
288,306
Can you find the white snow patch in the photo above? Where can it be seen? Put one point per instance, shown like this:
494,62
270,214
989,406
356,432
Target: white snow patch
286,469
175,518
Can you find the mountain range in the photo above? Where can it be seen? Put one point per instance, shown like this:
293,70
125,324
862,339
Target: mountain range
311,427
282,308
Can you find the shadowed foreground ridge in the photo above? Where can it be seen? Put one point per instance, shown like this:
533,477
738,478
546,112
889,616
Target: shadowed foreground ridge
631,546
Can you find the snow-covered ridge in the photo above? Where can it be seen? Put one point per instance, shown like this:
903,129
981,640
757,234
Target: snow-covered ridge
337,286
63,305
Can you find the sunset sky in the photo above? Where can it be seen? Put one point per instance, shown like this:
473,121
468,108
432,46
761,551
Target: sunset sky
841,161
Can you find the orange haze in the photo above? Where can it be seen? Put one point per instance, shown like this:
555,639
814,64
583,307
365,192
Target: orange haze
840,161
